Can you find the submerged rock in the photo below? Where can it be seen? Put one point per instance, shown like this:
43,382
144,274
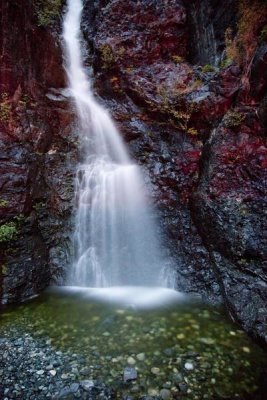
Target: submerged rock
129,374
165,394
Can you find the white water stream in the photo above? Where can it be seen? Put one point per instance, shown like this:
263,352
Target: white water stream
115,239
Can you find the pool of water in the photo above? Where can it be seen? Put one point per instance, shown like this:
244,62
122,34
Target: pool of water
173,342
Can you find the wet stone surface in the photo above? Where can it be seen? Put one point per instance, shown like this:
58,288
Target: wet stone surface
64,347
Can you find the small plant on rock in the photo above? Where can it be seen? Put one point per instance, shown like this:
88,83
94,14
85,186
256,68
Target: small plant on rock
107,56
241,48
208,68
8,231
3,203
263,34
233,119
192,131
5,108
47,11
178,59
226,63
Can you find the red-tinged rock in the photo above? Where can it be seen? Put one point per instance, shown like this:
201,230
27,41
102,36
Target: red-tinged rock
147,32
31,124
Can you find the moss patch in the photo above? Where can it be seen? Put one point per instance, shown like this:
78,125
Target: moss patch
47,11
208,68
3,203
8,231
106,55
233,119
5,108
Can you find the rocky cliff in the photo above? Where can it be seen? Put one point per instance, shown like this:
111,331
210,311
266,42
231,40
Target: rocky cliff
186,83
37,153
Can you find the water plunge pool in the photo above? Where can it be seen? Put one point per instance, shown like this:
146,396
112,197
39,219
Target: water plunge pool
153,342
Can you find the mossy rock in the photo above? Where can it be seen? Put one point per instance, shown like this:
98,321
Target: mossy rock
233,119
107,56
47,11
8,231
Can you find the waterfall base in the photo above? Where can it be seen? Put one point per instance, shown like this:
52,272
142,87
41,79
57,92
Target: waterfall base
104,351
129,296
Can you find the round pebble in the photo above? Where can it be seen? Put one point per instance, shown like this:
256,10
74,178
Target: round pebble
189,366
131,361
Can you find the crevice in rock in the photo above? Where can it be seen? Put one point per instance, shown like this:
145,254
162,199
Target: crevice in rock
207,23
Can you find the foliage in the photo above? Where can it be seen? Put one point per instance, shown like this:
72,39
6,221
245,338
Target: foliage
178,59
208,68
8,231
47,11
3,203
5,108
195,85
263,34
38,206
183,118
233,119
19,218
3,269
230,45
106,55
252,17
25,100
192,131
226,62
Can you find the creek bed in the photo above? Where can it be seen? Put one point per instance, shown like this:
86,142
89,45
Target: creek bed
67,345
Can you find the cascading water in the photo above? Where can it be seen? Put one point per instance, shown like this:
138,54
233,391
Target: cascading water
115,239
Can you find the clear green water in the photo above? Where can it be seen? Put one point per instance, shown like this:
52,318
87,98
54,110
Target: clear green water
160,343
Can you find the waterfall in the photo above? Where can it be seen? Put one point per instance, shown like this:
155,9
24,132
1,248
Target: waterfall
115,241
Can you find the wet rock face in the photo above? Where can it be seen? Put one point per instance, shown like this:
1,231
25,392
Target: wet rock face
208,20
149,31
196,137
37,155
229,208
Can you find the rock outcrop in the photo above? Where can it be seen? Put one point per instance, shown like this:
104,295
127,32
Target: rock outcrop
187,88
37,154
197,127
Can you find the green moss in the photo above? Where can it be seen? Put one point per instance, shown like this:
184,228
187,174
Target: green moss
263,34
38,206
233,119
208,68
5,108
8,231
3,203
107,56
226,62
178,59
47,11
20,218
4,269
25,100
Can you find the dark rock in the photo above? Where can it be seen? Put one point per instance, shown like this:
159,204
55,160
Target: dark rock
208,21
87,384
37,155
182,387
129,374
258,79
229,210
